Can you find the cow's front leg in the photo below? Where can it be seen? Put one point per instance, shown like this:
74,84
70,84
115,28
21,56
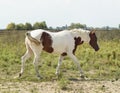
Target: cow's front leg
59,64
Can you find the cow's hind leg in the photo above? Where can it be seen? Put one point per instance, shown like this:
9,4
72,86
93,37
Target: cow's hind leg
35,62
37,51
24,58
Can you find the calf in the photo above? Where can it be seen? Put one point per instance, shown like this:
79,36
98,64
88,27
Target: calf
63,42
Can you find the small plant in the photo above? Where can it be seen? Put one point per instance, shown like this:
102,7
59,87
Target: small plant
103,88
34,90
63,83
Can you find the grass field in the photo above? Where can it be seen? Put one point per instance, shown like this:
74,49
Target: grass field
103,65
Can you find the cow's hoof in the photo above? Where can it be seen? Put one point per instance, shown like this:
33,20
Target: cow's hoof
39,77
20,75
82,76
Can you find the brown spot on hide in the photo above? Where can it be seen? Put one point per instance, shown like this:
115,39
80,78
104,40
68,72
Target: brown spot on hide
93,41
77,42
64,54
46,40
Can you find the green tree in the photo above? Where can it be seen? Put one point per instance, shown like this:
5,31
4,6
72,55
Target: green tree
11,26
40,25
36,25
28,26
76,25
20,27
43,25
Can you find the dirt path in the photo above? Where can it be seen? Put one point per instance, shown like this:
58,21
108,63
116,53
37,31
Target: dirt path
52,87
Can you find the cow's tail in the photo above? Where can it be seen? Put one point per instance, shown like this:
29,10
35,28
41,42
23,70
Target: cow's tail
28,35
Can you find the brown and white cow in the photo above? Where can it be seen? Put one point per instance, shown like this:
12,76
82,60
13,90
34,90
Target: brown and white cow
63,42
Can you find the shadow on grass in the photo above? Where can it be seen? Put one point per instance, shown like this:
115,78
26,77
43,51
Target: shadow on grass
93,79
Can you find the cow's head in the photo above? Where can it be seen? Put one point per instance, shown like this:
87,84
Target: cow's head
93,40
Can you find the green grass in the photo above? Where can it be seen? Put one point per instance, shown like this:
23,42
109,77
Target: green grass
104,64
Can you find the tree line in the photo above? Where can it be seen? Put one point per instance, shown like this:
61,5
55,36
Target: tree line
26,26
41,25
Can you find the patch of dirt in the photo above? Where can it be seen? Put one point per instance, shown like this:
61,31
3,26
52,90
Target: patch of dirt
75,86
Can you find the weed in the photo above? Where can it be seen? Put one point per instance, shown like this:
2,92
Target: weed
63,83
34,90
102,88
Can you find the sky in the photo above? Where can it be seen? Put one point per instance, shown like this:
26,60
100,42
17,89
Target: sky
93,13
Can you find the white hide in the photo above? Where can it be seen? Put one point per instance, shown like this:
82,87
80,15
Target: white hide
63,41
